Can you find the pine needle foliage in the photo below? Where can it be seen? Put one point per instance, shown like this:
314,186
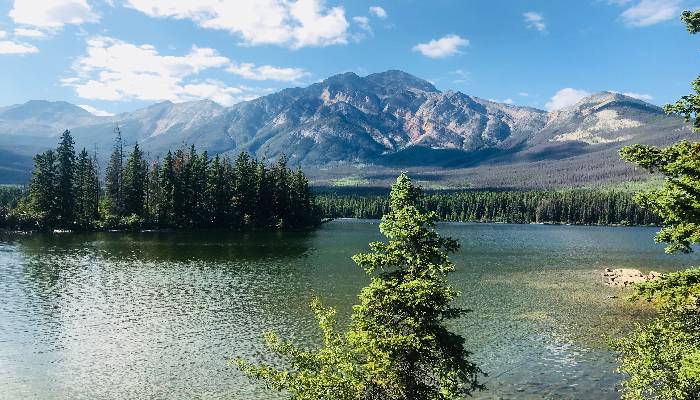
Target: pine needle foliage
398,345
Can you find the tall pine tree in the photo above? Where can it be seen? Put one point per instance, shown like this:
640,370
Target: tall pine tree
65,180
114,179
86,191
134,185
42,190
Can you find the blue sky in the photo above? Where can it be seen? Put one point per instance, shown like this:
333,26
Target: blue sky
119,55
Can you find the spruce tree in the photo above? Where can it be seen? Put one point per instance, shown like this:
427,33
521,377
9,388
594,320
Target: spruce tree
154,194
243,190
42,190
281,192
168,186
65,188
264,192
134,185
398,346
217,193
114,180
86,191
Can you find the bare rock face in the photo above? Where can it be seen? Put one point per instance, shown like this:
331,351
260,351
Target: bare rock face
624,277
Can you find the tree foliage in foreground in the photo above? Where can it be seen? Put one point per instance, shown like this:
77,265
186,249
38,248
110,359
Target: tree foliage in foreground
662,358
397,346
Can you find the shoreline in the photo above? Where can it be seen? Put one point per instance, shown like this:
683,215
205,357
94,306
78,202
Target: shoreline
308,229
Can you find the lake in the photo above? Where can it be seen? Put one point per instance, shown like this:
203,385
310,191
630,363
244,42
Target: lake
159,315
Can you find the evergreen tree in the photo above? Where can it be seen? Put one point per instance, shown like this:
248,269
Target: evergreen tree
154,194
662,358
42,189
65,185
397,346
86,191
218,194
199,165
168,186
114,179
264,201
135,184
281,193
243,190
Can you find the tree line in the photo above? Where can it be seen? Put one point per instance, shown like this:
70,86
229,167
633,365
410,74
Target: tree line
186,189
570,206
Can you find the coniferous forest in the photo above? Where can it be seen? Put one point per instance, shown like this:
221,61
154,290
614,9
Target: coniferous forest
570,206
186,189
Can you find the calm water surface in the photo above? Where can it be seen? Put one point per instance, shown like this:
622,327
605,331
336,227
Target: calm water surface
158,315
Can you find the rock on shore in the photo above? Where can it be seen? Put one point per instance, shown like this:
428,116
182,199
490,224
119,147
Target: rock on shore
627,276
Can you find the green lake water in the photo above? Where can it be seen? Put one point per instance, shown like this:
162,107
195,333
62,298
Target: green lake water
158,315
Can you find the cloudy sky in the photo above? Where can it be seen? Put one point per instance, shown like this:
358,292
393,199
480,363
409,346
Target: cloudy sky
117,55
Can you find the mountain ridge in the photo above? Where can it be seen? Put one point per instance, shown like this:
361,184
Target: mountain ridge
350,119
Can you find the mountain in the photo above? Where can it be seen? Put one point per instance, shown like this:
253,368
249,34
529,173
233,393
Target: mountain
41,118
390,119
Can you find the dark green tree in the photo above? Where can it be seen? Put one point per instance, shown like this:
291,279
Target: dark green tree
114,179
167,187
280,175
86,191
662,358
218,193
243,190
264,200
65,176
154,195
398,345
135,183
42,190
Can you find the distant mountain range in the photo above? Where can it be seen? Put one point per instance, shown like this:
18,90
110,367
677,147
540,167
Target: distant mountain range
390,119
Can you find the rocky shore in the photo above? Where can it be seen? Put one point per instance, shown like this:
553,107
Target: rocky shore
624,277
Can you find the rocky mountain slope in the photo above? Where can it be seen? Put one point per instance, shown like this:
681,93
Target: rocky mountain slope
388,118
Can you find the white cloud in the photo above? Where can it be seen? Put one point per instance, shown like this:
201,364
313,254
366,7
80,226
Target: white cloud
508,101
363,22
267,72
378,12
294,24
565,98
443,47
10,47
30,33
650,12
3,34
535,21
94,111
52,13
116,70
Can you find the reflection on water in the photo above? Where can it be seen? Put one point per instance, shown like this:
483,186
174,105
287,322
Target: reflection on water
157,315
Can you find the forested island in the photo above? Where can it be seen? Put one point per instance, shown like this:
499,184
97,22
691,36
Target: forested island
186,189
